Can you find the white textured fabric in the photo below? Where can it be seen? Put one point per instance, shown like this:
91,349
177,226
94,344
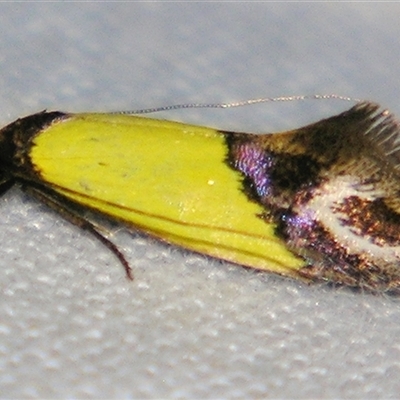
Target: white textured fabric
71,325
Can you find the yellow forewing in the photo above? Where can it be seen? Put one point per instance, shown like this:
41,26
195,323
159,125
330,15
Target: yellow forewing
165,178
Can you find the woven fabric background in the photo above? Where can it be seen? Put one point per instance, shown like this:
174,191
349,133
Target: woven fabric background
71,325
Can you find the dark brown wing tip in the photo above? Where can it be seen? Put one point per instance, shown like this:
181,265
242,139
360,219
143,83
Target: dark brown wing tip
375,132
382,129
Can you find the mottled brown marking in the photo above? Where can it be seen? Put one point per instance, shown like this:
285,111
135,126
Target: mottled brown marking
372,218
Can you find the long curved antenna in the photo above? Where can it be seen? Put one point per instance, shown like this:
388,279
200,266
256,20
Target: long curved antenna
238,103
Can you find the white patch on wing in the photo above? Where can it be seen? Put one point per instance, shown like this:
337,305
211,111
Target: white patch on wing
322,206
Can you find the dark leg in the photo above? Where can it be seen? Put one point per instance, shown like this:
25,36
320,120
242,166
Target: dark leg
73,217
5,184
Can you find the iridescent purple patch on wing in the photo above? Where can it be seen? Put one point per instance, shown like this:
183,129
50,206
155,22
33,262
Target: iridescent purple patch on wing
255,164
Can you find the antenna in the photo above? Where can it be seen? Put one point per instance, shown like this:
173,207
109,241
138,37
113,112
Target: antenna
238,103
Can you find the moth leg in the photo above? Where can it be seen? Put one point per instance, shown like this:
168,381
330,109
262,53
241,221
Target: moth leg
74,218
5,184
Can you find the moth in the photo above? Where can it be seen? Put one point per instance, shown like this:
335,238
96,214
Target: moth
319,203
